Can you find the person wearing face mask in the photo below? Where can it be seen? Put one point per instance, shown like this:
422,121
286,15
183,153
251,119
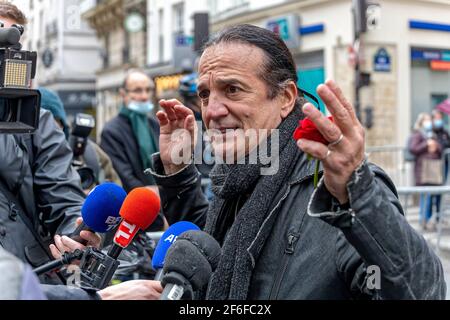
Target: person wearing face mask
132,136
441,134
425,146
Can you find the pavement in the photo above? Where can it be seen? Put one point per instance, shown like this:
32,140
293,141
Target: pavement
431,236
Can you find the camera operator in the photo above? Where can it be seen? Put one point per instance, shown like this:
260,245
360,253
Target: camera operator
40,194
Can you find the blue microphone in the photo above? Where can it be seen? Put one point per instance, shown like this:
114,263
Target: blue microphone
100,210
167,239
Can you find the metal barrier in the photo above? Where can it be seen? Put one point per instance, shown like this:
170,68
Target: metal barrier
428,190
392,160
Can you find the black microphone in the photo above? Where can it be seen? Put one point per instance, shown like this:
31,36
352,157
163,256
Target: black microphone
189,264
9,37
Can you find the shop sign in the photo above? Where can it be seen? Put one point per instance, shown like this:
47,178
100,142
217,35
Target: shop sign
446,56
166,83
184,41
287,27
429,55
440,65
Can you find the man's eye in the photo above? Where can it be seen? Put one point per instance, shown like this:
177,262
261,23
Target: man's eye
233,89
203,94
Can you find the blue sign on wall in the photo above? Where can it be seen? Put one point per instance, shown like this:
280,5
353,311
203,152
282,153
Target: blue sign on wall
184,41
382,61
430,54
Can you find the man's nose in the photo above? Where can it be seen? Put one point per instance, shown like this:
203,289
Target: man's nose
144,96
215,109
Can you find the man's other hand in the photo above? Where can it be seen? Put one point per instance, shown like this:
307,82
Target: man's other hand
65,244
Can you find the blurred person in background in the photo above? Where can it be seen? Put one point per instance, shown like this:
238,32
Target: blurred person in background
424,146
442,136
132,136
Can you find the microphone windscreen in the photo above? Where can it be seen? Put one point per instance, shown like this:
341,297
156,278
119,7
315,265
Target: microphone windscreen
101,208
141,207
192,259
9,36
167,239
206,244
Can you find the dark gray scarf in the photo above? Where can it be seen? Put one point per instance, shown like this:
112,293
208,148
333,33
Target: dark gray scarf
231,184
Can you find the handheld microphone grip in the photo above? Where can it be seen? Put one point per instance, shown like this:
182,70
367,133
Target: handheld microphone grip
177,287
66,258
75,235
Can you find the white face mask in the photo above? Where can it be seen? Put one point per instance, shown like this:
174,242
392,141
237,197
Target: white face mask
428,125
141,107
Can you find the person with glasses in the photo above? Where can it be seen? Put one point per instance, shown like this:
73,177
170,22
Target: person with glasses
132,136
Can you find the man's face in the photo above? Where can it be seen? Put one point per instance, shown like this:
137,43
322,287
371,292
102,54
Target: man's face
234,98
139,88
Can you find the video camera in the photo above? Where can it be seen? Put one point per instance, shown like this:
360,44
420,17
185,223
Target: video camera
82,127
19,104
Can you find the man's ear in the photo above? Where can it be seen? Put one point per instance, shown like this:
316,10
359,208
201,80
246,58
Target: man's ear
122,92
288,98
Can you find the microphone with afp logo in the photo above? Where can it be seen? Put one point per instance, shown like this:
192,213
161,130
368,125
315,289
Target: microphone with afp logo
166,241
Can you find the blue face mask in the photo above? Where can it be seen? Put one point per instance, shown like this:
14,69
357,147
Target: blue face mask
428,125
438,124
141,107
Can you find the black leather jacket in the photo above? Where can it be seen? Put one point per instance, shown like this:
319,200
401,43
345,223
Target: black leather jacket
318,250
46,185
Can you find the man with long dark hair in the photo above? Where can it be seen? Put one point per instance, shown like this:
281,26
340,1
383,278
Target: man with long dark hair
281,237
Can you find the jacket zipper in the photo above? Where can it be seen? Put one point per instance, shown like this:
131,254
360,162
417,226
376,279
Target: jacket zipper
290,248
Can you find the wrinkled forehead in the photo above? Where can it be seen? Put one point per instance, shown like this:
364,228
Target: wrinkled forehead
231,56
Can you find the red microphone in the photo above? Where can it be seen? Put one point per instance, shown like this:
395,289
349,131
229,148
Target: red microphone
139,209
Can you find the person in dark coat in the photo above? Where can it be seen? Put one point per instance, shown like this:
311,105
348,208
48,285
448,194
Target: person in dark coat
442,136
424,145
132,136
40,193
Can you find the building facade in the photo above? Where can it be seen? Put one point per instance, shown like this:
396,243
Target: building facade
405,50
171,51
68,51
121,28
